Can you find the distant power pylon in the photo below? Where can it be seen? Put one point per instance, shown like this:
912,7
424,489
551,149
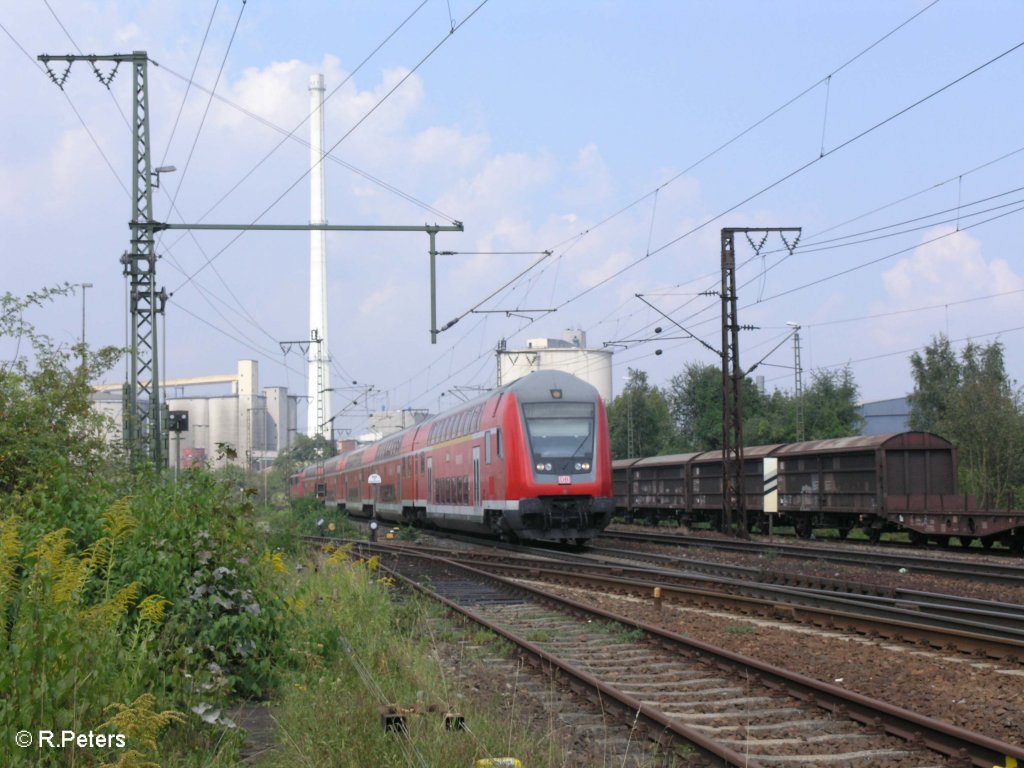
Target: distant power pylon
798,382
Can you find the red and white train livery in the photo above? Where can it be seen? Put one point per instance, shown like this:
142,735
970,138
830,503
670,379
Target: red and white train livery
530,460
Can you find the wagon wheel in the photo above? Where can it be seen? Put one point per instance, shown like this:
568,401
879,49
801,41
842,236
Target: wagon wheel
804,528
987,541
943,540
965,541
917,538
874,535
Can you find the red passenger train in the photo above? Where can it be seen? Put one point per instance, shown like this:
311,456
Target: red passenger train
530,460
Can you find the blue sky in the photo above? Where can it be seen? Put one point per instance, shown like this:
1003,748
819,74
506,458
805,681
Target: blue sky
576,127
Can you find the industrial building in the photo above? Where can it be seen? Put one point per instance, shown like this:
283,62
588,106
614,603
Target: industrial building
255,425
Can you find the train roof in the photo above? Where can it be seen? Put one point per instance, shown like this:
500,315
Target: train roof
749,452
537,385
861,443
856,444
540,384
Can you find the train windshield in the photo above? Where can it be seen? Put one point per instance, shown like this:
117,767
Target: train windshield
561,436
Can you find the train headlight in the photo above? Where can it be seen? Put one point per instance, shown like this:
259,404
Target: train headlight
586,466
540,467
578,466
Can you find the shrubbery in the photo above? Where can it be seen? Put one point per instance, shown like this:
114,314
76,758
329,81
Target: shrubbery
127,600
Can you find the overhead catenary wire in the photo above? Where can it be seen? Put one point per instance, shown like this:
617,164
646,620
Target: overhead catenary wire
212,94
534,266
78,115
188,85
344,136
893,116
191,153
836,242
291,134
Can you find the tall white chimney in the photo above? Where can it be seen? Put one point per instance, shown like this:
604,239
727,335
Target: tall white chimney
319,357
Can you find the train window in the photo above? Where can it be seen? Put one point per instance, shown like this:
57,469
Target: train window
487,447
560,434
497,443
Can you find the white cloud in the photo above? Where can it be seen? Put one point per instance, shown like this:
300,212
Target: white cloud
612,264
943,273
950,269
127,33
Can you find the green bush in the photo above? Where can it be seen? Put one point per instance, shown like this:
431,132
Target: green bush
195,544
74,642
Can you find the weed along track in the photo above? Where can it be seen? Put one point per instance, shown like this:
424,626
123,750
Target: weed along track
702,705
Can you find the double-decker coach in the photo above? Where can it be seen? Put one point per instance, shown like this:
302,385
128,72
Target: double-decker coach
530,460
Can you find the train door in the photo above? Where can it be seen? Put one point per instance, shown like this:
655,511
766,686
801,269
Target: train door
430,481
476,478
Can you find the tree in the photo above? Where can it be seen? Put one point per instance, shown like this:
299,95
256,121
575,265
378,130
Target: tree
973,403
639,418
936,385
52,442
830,405
305,450
695,404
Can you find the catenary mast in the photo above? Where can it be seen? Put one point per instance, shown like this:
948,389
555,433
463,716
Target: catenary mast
319,356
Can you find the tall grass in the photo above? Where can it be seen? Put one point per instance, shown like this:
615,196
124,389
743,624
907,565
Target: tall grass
354,652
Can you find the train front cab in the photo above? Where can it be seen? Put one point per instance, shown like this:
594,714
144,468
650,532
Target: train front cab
561,475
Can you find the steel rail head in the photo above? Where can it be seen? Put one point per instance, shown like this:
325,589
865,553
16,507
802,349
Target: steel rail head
939,736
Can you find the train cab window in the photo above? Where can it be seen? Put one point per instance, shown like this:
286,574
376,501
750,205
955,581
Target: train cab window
561,436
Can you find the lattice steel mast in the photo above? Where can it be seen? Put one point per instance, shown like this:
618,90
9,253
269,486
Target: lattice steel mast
734,510
142,426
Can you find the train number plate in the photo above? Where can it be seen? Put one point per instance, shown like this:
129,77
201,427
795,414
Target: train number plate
565,479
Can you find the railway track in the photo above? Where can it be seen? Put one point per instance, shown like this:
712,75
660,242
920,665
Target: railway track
731,709
932,623
993,573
